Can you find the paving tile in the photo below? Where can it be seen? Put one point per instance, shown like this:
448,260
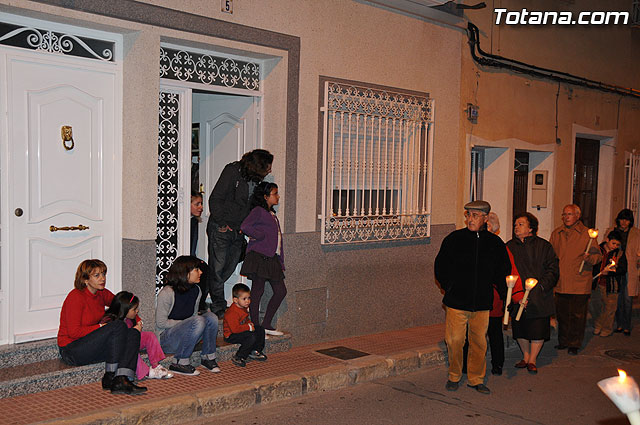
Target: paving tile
85,399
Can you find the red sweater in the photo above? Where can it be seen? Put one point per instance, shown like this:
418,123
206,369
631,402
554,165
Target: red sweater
81,314
236,320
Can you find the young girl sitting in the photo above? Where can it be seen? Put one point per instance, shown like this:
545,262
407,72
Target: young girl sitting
125,306
265,255
177,318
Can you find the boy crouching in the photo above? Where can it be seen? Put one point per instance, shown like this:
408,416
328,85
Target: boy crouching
238,329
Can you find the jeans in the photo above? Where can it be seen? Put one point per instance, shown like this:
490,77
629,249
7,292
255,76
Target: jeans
225,249
257,289
249,341
114,343
183,337
571,312
456,323
625,305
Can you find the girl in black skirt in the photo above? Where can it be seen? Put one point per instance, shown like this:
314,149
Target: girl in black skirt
265,254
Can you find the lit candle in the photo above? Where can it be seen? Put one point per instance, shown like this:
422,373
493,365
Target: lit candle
511,282
613,263
593,233
529,284
623,391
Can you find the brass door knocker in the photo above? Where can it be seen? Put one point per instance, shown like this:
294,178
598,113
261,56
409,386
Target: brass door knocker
67,136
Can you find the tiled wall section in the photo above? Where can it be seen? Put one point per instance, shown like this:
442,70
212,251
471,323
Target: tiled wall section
139,276
332,293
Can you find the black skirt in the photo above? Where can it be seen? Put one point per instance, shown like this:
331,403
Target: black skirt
258,265
532,329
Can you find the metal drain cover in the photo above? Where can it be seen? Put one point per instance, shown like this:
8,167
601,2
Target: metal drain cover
342,353
626,355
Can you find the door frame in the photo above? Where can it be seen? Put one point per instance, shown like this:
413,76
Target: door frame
185,91
7,274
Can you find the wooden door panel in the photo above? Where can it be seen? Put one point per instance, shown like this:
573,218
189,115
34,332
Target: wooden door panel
80,190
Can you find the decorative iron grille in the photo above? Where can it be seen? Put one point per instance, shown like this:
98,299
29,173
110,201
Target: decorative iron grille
632,182
208,69
167,219
56,42
377,165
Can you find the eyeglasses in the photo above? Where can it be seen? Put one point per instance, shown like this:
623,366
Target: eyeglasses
474,215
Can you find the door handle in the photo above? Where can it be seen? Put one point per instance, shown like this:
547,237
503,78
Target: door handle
67,228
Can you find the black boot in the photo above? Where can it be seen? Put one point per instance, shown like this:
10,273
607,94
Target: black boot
107,379
121,385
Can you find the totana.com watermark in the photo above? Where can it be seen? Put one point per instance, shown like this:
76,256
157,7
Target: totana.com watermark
533,17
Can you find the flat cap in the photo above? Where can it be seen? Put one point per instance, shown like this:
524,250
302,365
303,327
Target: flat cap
483,206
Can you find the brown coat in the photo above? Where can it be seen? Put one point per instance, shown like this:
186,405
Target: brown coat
569,244
632,254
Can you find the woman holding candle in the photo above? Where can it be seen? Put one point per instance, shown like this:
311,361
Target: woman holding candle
629,285
533,258
610,274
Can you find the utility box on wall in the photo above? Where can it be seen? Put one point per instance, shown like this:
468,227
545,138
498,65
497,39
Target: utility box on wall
539,184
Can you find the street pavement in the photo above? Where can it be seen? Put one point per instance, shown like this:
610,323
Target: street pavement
563,392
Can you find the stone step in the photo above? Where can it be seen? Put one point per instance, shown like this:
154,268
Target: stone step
36,366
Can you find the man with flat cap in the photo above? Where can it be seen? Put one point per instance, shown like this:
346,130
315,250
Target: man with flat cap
470,262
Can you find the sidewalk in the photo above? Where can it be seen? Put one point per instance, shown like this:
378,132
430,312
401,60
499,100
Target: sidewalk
285,375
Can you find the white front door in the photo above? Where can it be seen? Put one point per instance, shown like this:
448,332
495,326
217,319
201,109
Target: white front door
62,204
228,128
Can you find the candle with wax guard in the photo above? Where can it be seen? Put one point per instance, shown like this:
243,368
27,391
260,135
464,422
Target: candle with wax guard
593,233
623,391
511,282
529,284
613,263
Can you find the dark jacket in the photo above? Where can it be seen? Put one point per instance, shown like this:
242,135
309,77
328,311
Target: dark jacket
613,279
229,200
535,258
468,265
263,228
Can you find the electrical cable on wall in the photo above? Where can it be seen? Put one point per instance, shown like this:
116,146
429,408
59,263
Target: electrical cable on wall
487,59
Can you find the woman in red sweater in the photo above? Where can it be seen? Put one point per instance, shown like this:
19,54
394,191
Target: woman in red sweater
83,340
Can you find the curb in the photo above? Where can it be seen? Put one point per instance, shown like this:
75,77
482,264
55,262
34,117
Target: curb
210,403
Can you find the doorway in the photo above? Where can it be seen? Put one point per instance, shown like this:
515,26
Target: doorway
61,183
585,178
520,182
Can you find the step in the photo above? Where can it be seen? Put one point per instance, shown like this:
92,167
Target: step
36,366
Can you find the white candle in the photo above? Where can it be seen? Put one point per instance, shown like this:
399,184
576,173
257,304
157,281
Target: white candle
511,282
529,284
623,391
593,233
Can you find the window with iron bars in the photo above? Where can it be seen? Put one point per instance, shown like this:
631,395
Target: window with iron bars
378,149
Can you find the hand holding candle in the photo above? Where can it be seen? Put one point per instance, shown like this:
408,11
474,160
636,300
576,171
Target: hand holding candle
608,269
593,233
623,391
511,282
529,284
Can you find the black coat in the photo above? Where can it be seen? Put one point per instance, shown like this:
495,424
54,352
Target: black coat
229,200
468,265
535,258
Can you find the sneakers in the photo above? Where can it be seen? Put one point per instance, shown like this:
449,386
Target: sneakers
184,369
159,372
481,388
122,385
451,386
273,332
238,361
211,365
257,355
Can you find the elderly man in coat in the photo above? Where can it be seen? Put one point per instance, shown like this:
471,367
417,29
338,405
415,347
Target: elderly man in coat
570,241
470,262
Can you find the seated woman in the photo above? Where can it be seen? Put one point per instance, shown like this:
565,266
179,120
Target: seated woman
177,320
83,340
